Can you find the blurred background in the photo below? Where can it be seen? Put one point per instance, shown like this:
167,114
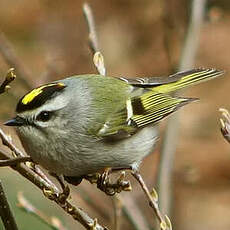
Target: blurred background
137,38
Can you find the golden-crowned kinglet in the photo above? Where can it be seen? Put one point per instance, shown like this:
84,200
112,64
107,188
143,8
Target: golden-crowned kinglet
85,123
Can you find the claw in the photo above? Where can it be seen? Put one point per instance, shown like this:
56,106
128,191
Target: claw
49,194
104,184
64,195
121,177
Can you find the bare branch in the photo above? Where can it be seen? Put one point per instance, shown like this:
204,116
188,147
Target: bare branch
93,42
5,212
98,59
153,202
117,204
14,161
193,35
8,53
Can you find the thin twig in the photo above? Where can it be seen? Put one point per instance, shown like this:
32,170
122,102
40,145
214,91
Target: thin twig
38,171
6,140
8,53
10,76
98,58
14,161
171,136
153,203
93,41
5,211
164,221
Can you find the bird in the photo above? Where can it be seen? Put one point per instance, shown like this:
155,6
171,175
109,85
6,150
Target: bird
83,124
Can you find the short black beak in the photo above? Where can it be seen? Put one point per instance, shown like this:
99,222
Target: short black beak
17,121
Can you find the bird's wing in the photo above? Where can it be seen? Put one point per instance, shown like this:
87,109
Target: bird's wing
154,103
141,111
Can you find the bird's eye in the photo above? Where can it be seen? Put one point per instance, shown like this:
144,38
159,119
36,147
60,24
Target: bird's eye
44,116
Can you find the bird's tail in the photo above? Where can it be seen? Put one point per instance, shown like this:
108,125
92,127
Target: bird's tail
156,104
188,78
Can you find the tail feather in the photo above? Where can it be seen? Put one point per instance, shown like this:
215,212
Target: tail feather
188,78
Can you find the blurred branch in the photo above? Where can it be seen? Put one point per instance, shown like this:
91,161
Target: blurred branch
93,41
52,221
8,53
168,147
193,35
117,203
225,124
5,212
167,34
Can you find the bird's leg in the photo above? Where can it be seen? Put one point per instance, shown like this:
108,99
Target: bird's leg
104,184
63,196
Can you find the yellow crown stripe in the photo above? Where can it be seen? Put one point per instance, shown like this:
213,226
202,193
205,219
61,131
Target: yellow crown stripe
34,93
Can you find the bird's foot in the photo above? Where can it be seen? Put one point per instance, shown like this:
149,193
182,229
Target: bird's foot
62,196
104,183
50,194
